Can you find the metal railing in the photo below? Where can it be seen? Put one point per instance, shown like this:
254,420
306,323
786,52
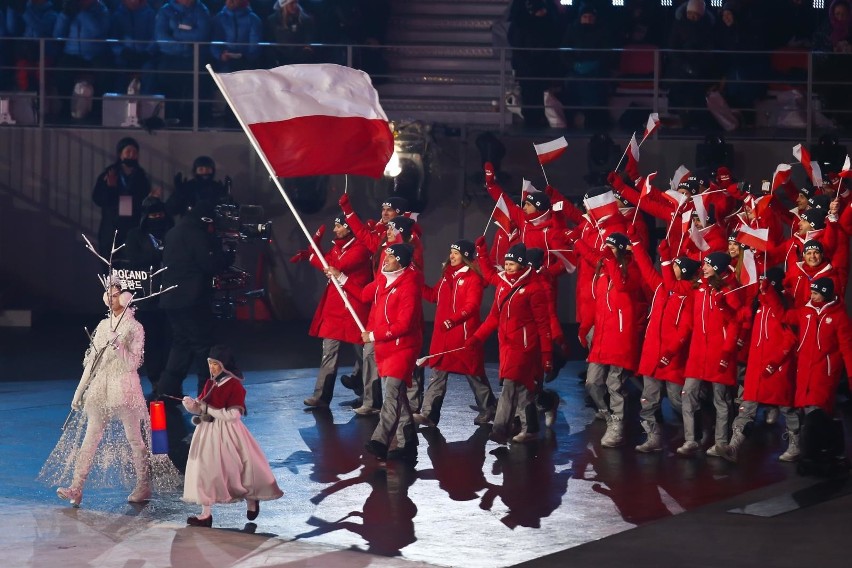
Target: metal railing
769,91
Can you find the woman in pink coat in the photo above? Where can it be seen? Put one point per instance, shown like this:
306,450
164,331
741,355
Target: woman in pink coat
458,296
520,314
614,350
667,336
712,351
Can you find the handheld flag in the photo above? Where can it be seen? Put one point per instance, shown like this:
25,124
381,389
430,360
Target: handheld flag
549,151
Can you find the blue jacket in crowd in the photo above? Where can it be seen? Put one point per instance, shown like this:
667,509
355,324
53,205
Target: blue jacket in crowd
90,23
236,27
38,20
134,30
178,23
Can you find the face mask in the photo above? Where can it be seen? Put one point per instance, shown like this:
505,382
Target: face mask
130,163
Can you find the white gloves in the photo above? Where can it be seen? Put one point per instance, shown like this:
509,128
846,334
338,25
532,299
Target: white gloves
191,405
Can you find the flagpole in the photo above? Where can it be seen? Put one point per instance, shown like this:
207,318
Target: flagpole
622,156
635,213
283,193
489,220
544,172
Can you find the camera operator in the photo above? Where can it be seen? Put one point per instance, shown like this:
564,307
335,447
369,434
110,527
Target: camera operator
192,254
202,186
144,252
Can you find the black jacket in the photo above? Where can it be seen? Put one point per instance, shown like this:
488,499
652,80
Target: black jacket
192,256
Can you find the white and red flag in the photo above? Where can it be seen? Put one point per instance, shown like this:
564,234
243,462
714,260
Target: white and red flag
757,239
681,173
676,197
570,267
652,125
501,215
633,155
645,189
601,206
527,188
811,167
781,176
845,172
700,208
311,120
748,274
549,151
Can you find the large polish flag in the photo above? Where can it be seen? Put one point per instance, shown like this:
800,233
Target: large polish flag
312,119
549,151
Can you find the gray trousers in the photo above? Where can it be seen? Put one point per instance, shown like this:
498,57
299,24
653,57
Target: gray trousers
395,428
324,387
748,410
433,399
722,401
603,378
370,376
652,394
415,391
515,400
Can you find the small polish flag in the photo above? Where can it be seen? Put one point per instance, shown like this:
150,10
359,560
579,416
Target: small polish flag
633,154
549,151
700,208
781,176
570,267
811,167
697,236
601,206
310,120
846,172
681,173
501,215
646,185
676,197
528,188
748,275
757,239
652,125
685,221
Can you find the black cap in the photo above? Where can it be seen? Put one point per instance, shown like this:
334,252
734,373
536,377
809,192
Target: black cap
535,257
225,357
690,184
402,252
775,277
807,190
816,217
340,219
718,261
619,240
398,204
204,162
538,200
403,226
517,253
688,267
819,201
813,244
466,248
124,143
824,286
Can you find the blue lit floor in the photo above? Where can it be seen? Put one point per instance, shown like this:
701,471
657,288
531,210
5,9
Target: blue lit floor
467,502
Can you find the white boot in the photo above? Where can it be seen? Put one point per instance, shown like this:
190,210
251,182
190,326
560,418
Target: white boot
614,435
792,453
732,450
652,443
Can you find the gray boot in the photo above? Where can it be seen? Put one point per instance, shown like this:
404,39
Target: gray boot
732,450
652,443
792,453
614,435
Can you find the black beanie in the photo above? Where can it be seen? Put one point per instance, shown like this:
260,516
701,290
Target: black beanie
403,226
340,219
538,200
466,248
807,190
402,252
819,201
619,240
398,204
535,257
718,261
775,277
824,286
688,267
225,357
813,244
203,162
517,253
690,184
816,217
124,143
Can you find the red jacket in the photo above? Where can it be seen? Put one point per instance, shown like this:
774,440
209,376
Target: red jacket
716,325
396,320
617,312
229,392
375,239
458,296
332,320
797,280
824,344
768,334
670,323
520,314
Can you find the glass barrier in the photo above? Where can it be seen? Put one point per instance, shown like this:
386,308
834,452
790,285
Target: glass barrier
53,82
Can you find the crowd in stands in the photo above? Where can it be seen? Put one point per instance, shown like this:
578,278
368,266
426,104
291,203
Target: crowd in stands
153,41
778,33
